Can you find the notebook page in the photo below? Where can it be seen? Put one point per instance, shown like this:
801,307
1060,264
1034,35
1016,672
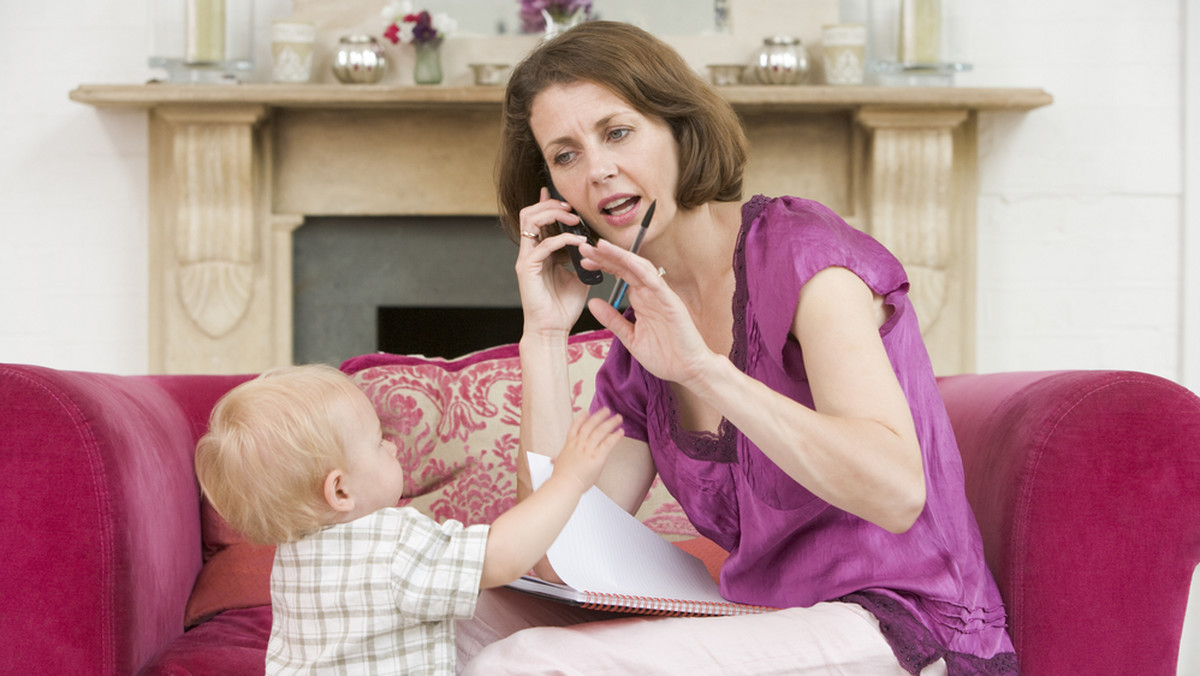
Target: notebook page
605,549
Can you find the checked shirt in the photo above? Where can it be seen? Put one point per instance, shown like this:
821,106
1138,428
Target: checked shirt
378,595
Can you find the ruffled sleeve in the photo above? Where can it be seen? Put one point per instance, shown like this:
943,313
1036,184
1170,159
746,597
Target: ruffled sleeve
787,241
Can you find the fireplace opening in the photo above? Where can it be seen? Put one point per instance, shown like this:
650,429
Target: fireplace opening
451,332
448,281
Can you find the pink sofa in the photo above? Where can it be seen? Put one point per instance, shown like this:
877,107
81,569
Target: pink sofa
1086,485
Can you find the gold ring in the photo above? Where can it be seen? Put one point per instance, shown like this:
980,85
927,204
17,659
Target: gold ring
530,235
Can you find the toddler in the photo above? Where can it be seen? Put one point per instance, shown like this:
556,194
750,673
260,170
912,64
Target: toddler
297,458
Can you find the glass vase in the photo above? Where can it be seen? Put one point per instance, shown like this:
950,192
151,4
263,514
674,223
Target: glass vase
428,68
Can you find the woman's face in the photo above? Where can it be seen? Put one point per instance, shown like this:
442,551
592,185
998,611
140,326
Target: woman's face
607,160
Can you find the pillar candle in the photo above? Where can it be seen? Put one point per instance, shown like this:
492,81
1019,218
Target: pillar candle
205,31
920,31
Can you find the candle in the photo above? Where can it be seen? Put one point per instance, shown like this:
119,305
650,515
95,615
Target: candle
920,31
205,31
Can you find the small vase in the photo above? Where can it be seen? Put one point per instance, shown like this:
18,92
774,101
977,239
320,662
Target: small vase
428,68
557,25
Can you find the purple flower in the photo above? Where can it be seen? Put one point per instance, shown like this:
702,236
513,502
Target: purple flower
423,30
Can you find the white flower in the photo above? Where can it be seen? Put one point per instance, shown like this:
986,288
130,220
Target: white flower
397,9
406,32
444,24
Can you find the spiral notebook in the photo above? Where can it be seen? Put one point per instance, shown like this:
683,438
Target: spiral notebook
608,560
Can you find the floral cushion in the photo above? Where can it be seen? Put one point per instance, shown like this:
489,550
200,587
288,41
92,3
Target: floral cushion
456,424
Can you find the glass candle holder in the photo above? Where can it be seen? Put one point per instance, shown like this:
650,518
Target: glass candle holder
912,42
202,41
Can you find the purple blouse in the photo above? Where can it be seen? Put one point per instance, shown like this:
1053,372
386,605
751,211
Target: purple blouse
929,586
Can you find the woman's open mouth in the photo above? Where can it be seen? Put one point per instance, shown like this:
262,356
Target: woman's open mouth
621,207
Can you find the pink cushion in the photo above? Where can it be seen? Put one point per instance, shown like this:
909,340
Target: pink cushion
457,422
234,642
235,574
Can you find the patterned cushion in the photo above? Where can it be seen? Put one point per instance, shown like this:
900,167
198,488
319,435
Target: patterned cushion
456,424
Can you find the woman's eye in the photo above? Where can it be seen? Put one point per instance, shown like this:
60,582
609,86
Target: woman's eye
618,134
563,157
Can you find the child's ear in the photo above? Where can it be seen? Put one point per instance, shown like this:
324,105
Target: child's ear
336,493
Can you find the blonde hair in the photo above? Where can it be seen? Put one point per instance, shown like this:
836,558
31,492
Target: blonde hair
652,78
270,444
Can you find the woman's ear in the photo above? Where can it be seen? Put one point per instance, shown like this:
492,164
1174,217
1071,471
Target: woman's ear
336,493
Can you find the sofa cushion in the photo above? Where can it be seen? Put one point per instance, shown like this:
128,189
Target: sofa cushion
455,423
234,642
235,574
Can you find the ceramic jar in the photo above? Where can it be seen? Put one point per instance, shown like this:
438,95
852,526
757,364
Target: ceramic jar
292,51
845,53
781,61
359,59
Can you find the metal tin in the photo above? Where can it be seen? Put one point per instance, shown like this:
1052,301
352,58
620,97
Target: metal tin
359,59
782,60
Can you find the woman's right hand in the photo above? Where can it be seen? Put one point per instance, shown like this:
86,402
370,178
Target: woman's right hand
552,297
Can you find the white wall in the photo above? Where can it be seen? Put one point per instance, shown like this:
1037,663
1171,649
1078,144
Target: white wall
1081,212
72,188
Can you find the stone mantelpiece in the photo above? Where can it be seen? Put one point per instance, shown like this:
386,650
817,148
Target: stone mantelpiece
235,169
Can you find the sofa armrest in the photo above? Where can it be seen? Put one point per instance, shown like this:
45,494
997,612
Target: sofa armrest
1086,486
99,519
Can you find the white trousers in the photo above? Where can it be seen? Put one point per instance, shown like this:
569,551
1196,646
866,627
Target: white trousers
516,634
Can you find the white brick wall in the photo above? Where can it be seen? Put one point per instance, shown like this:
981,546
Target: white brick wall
1080,211
73,269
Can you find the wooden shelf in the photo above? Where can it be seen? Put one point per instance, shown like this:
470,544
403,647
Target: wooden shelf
804,97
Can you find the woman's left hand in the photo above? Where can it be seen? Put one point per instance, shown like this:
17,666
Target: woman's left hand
664,340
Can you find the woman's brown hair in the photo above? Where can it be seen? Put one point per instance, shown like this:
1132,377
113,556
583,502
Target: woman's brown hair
650,76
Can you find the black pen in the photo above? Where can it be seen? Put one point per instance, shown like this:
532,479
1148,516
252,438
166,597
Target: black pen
618,292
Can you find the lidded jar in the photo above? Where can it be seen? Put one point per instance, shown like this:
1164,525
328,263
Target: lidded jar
782,60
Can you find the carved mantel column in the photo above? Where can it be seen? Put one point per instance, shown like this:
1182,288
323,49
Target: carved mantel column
209,300
920,184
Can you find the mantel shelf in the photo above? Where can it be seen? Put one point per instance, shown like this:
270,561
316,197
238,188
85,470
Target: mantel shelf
747,97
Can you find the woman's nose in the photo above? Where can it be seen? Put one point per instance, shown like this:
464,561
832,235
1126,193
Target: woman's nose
602,168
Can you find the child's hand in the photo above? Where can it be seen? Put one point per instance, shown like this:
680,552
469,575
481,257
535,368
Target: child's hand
589,441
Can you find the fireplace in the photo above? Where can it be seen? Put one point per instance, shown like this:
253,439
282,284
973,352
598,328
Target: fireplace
438,286
237,172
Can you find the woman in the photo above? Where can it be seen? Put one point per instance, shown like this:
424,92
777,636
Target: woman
770,369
